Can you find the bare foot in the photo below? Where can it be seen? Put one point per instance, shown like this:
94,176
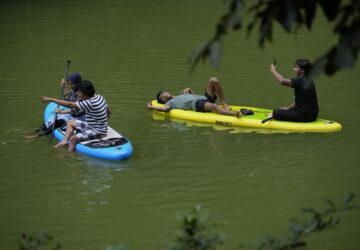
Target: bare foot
60,144
239,114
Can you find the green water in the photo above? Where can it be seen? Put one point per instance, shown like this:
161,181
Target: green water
252,183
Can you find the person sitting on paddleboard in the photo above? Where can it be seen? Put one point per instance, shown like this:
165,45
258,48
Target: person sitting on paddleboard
71,95
305,108
96,116
71,86
187,100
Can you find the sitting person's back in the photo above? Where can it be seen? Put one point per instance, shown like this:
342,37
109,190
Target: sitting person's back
95,113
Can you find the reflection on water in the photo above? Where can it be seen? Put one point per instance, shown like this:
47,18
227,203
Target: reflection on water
96,174
104,164
94,181
181,125
97,178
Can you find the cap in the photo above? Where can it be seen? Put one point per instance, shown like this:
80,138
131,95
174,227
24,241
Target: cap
74,77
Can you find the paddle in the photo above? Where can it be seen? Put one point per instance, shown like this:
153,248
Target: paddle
61,94
267,119
271,117
65,77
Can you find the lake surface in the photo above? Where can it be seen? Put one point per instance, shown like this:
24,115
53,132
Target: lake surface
250,183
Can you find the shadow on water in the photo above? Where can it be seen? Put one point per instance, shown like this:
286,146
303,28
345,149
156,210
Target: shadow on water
99,163
94,175
188,124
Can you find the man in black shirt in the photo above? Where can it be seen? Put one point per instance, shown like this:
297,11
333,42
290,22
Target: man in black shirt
305,108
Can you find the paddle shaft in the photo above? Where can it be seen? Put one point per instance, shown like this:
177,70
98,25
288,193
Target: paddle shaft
65,76
271,117
61,93
267,119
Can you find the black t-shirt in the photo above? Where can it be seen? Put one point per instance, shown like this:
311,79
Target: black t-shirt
305,96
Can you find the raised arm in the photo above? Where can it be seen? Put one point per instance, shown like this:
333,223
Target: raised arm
278,77
164,108
60,102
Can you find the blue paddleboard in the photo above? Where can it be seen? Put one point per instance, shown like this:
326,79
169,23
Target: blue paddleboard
113,146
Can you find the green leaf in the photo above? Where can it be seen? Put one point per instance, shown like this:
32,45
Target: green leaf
332,206
215,53
330,7
346,14
310,12
311,227
236,22
265,29
348,198
345,57
296,229
310,210
290,16
119,247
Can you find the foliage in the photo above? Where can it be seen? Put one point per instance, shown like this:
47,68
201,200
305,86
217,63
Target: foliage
292,15
37,241
119,247
299,230
197,233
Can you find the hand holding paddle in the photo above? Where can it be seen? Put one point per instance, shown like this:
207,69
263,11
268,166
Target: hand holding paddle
44,99
65,78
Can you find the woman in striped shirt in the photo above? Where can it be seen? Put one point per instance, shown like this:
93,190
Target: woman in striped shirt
96,116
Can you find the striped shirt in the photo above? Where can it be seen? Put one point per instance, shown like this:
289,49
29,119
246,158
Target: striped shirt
95,113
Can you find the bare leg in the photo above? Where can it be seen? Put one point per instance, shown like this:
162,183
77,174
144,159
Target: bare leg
213,107
69,131
214,88
72,143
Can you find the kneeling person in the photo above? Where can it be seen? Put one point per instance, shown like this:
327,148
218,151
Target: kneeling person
96,116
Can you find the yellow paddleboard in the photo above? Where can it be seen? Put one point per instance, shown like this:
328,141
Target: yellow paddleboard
250,121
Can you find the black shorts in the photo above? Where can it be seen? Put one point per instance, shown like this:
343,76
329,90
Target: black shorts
200,105
292,115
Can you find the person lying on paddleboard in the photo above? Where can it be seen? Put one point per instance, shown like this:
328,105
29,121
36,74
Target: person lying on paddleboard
305,108
187,100
96,116
71,86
